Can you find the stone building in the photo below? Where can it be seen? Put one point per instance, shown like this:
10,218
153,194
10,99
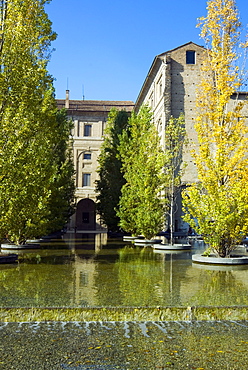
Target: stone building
170,89
90,118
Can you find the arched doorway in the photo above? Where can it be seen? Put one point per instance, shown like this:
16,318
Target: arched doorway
86,215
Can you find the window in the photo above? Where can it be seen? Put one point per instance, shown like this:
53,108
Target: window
159,125
190,57
159,87
78,127
87,130
151,100
87,155
86,179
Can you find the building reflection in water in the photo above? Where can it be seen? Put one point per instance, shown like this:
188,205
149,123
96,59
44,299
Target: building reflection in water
139,276
85,271
85,268
87,241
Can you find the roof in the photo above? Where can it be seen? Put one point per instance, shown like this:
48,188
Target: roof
156,60
95,105
181,46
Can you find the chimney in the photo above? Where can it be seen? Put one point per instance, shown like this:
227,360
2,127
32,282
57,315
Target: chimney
67,102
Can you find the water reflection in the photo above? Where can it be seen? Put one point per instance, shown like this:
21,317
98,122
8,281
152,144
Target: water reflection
90,241
88,272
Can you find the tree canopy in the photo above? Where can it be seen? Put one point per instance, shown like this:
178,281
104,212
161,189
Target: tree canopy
142,206
30,126
111,177
217,206
175,139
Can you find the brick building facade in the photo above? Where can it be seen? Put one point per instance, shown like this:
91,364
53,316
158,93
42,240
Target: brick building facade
169,89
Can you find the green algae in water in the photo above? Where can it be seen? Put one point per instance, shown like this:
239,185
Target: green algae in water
52,292
129,345
123,276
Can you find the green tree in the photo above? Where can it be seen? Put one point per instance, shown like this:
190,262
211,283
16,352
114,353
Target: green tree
61,202
175,139
142,206
217,206
29,132
111,178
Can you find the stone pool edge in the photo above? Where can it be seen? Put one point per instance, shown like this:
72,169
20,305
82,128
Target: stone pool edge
234,260
85,314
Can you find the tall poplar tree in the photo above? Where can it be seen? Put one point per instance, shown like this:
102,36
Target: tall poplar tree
217,206
111,177
61,203
29,124
175,139
142,206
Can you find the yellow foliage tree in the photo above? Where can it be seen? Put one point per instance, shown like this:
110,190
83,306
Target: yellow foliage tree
217,205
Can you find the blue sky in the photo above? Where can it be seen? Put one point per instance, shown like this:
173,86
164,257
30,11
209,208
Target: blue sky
104,49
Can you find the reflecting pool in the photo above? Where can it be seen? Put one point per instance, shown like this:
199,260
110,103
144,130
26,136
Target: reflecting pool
92,271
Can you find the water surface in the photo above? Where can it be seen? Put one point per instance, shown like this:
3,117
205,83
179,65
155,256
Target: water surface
86,273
